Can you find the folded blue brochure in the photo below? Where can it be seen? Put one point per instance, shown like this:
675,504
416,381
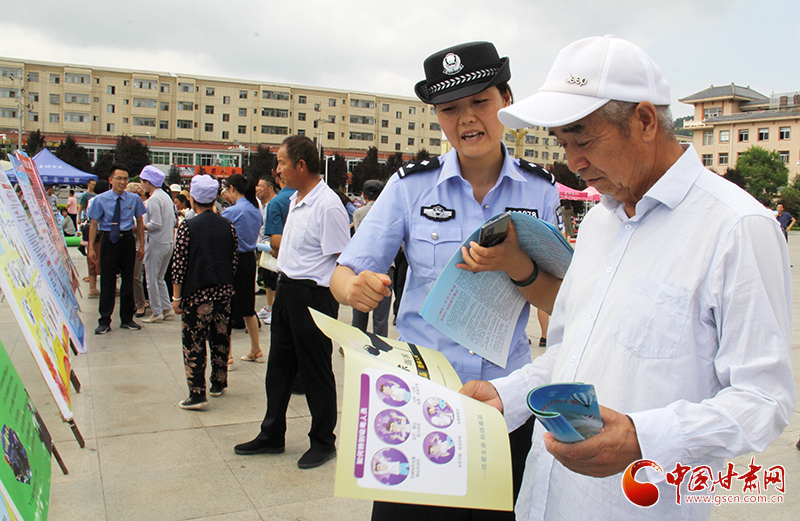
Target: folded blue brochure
568,410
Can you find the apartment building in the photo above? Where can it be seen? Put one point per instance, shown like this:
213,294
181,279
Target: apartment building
730,119
206,121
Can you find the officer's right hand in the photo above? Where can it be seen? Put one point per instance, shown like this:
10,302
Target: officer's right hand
91,254
365,290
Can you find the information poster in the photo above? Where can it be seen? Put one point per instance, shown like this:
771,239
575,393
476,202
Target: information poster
25,469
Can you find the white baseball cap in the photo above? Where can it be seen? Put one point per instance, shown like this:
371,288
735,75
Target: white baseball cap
586,75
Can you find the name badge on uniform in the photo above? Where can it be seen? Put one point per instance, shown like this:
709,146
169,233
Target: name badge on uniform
533,212
437,213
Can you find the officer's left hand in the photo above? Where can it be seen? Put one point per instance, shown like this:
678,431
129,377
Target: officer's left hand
506,256
603,455
140,253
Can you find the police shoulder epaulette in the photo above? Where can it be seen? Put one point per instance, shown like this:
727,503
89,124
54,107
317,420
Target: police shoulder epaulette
538,170
431,163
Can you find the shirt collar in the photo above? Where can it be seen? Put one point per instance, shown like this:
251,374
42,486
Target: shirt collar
310,196
451,167
670,189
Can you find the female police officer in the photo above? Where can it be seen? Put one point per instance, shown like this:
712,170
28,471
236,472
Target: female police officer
431,206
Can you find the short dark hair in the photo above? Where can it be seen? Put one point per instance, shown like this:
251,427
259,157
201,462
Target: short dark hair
271,181
183,199
302,148
101,186
118,166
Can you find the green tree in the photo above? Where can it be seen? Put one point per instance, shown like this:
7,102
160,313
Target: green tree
133,153
103,164
173,176
764,172
394,163
74,155
790,197
34,143
422,155
735,176
369,168
262,161
337,171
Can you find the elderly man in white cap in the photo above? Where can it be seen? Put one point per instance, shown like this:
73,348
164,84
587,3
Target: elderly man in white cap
677,306
202,275
160,236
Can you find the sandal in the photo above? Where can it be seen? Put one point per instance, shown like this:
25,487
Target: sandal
258,359
230,365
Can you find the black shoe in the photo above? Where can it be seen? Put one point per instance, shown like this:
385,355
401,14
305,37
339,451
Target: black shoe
130,324
216,390
542,342
193,403
102,329
313,458
798,445
257,447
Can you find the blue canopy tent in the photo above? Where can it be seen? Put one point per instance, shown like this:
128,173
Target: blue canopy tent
54,171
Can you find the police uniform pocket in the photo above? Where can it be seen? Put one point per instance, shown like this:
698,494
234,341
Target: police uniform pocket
652,318
432,245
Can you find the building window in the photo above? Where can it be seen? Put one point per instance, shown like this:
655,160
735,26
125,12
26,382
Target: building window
33,97
95,100
274,113
397,146
124,120
209,109
145,84
555,156
384,107
8,93
410,141
724,136
144,122
301,100
301,116
784,155
33,116
226,117
76,98
412,110
109,127
384,139
54,118
435,142
362,104
301,132
528,152
331,135
183,158
362,120
763,134
209,127
159,158
71,77
184,123
397,130
226,100
712,113
209,91
546,141
271,129
708,137
331,119
411,125
436,126
110,109
112,89
145,103
165,87
784,133
331,102
316,107
205,159
509,137
398,115
361,136
744,135
33,77
271,94
163,125
723,158
242,94
242,112
185,105
182,87
545,155
708,160
316,123
242,129
384,123
164,105
225,134
76,117
55,78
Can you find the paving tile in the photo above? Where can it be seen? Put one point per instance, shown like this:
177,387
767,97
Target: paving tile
161,416
225,437
79,500
134,385
320,510
82,464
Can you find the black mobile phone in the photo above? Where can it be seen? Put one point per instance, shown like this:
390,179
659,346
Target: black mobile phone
495,230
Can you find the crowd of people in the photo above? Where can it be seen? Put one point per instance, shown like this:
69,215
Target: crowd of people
677,304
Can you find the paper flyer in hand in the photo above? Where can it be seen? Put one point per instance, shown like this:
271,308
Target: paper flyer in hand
407,439
480,310
569,411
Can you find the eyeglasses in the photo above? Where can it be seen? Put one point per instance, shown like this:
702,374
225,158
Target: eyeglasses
118,178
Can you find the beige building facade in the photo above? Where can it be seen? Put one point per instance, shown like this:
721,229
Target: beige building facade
730,119
206,121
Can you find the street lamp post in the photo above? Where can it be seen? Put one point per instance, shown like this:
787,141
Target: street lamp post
326,166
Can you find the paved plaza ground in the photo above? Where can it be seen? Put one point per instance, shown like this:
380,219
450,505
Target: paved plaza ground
146,459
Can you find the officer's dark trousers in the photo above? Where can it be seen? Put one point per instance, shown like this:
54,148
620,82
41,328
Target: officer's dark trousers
116,258
297,344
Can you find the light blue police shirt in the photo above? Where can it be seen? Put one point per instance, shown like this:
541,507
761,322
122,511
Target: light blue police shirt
247,221
102,210
431,237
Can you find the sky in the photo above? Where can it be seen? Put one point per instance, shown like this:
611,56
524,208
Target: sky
379,46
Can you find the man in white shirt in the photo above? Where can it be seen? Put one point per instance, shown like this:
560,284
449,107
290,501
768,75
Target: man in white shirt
160,232
677,304
316,231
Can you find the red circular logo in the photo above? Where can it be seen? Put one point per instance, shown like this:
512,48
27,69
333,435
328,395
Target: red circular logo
638,493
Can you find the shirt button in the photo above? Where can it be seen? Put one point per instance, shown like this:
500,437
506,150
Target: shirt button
472,352
591,315
434,236
572,359
609,269
628,226
486,207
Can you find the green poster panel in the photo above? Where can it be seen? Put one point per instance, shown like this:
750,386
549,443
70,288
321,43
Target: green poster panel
25,468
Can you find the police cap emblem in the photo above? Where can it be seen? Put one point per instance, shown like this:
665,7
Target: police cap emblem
452,64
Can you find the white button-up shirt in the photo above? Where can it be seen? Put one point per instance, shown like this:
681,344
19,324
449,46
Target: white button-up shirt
681,318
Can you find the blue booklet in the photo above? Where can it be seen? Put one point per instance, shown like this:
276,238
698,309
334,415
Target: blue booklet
568,410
